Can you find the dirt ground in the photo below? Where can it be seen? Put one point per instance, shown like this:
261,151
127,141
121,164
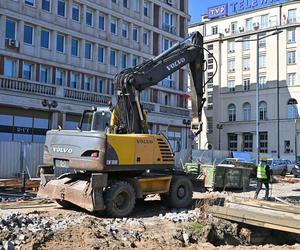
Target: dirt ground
151,226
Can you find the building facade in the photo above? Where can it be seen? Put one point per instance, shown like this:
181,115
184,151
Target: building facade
231,32
59,57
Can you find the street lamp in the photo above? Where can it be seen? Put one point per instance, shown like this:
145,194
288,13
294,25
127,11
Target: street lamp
219,127
186,123
257,39
49,104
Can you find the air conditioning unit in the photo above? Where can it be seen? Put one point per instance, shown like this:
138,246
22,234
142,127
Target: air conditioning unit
246,68
170,2
241,29
231,51
13,43
256,26
227,30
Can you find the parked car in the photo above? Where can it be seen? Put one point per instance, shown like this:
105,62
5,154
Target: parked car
290,165
277,167
296,169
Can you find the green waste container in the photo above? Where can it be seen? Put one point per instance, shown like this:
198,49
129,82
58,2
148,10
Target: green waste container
226,177
192,168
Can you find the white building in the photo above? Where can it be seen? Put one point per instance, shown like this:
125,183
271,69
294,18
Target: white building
230,111
69,51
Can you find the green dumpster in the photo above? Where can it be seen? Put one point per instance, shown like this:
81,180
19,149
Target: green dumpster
225,177
192,168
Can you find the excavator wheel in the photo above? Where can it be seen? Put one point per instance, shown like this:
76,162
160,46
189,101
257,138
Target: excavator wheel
180,193
119,199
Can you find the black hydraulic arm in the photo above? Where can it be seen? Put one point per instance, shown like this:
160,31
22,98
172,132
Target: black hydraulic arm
150,73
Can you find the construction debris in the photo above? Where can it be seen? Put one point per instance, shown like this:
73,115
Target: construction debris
33,183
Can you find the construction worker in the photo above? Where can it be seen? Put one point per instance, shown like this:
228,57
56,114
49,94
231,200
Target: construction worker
263,177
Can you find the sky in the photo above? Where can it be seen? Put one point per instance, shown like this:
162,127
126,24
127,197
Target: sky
199,7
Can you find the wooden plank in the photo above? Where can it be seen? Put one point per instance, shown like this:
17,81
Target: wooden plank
268,205
244,212
26,204
30,183
258,223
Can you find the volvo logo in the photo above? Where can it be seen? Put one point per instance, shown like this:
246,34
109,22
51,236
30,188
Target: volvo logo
62,150
176,63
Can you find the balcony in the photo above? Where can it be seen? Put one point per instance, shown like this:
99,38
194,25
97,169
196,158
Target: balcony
169,28
172,110
32,87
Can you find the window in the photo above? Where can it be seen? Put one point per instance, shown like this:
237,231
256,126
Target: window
113,26
246,83
45,35
100,55
232,142
89,17
114,1
292,109
135,34
101,22
100,86
44,74
263,142
10,29
125,30
74,80
124,61
287,147
246,44
262,82
134,60
291,57
59,77
145,37
292,16
61,7
9,67
247,111
291,79
125,3
29,2
210,125
231,46
264,21
210,46
87,83
166,44
167,24
249,24
234,28
113,56
262,110
248,142
146,8
231,86
291,36
231,113
74,47
28,34
231,66
60,43
246,63
262,42
262,61
46,5
75,12
111,88
88,51
27,71
214,30
136,5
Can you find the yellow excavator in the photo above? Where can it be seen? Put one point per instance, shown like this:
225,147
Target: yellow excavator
113,157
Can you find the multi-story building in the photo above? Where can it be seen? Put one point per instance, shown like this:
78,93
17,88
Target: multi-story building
231,32
59,57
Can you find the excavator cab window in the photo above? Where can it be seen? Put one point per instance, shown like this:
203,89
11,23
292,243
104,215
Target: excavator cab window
101,120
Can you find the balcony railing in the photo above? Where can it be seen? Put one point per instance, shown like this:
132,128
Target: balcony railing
171,110
86,96
169,28
27,86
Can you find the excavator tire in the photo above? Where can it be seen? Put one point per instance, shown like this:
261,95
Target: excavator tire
180,193
119,199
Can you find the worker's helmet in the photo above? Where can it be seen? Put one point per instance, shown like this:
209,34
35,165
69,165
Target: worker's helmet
263,158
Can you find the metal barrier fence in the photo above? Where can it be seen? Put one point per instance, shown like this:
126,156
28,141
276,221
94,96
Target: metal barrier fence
17,157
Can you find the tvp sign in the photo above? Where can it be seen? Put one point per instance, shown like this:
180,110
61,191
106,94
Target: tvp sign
218,11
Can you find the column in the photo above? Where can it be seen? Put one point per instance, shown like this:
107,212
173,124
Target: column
53,44
20,34
82,52
37,40
69,12
68,48
96,19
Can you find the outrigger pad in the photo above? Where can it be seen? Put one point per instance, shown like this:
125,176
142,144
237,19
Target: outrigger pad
78,191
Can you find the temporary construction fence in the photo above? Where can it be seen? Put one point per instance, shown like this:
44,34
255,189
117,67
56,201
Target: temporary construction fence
17,157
